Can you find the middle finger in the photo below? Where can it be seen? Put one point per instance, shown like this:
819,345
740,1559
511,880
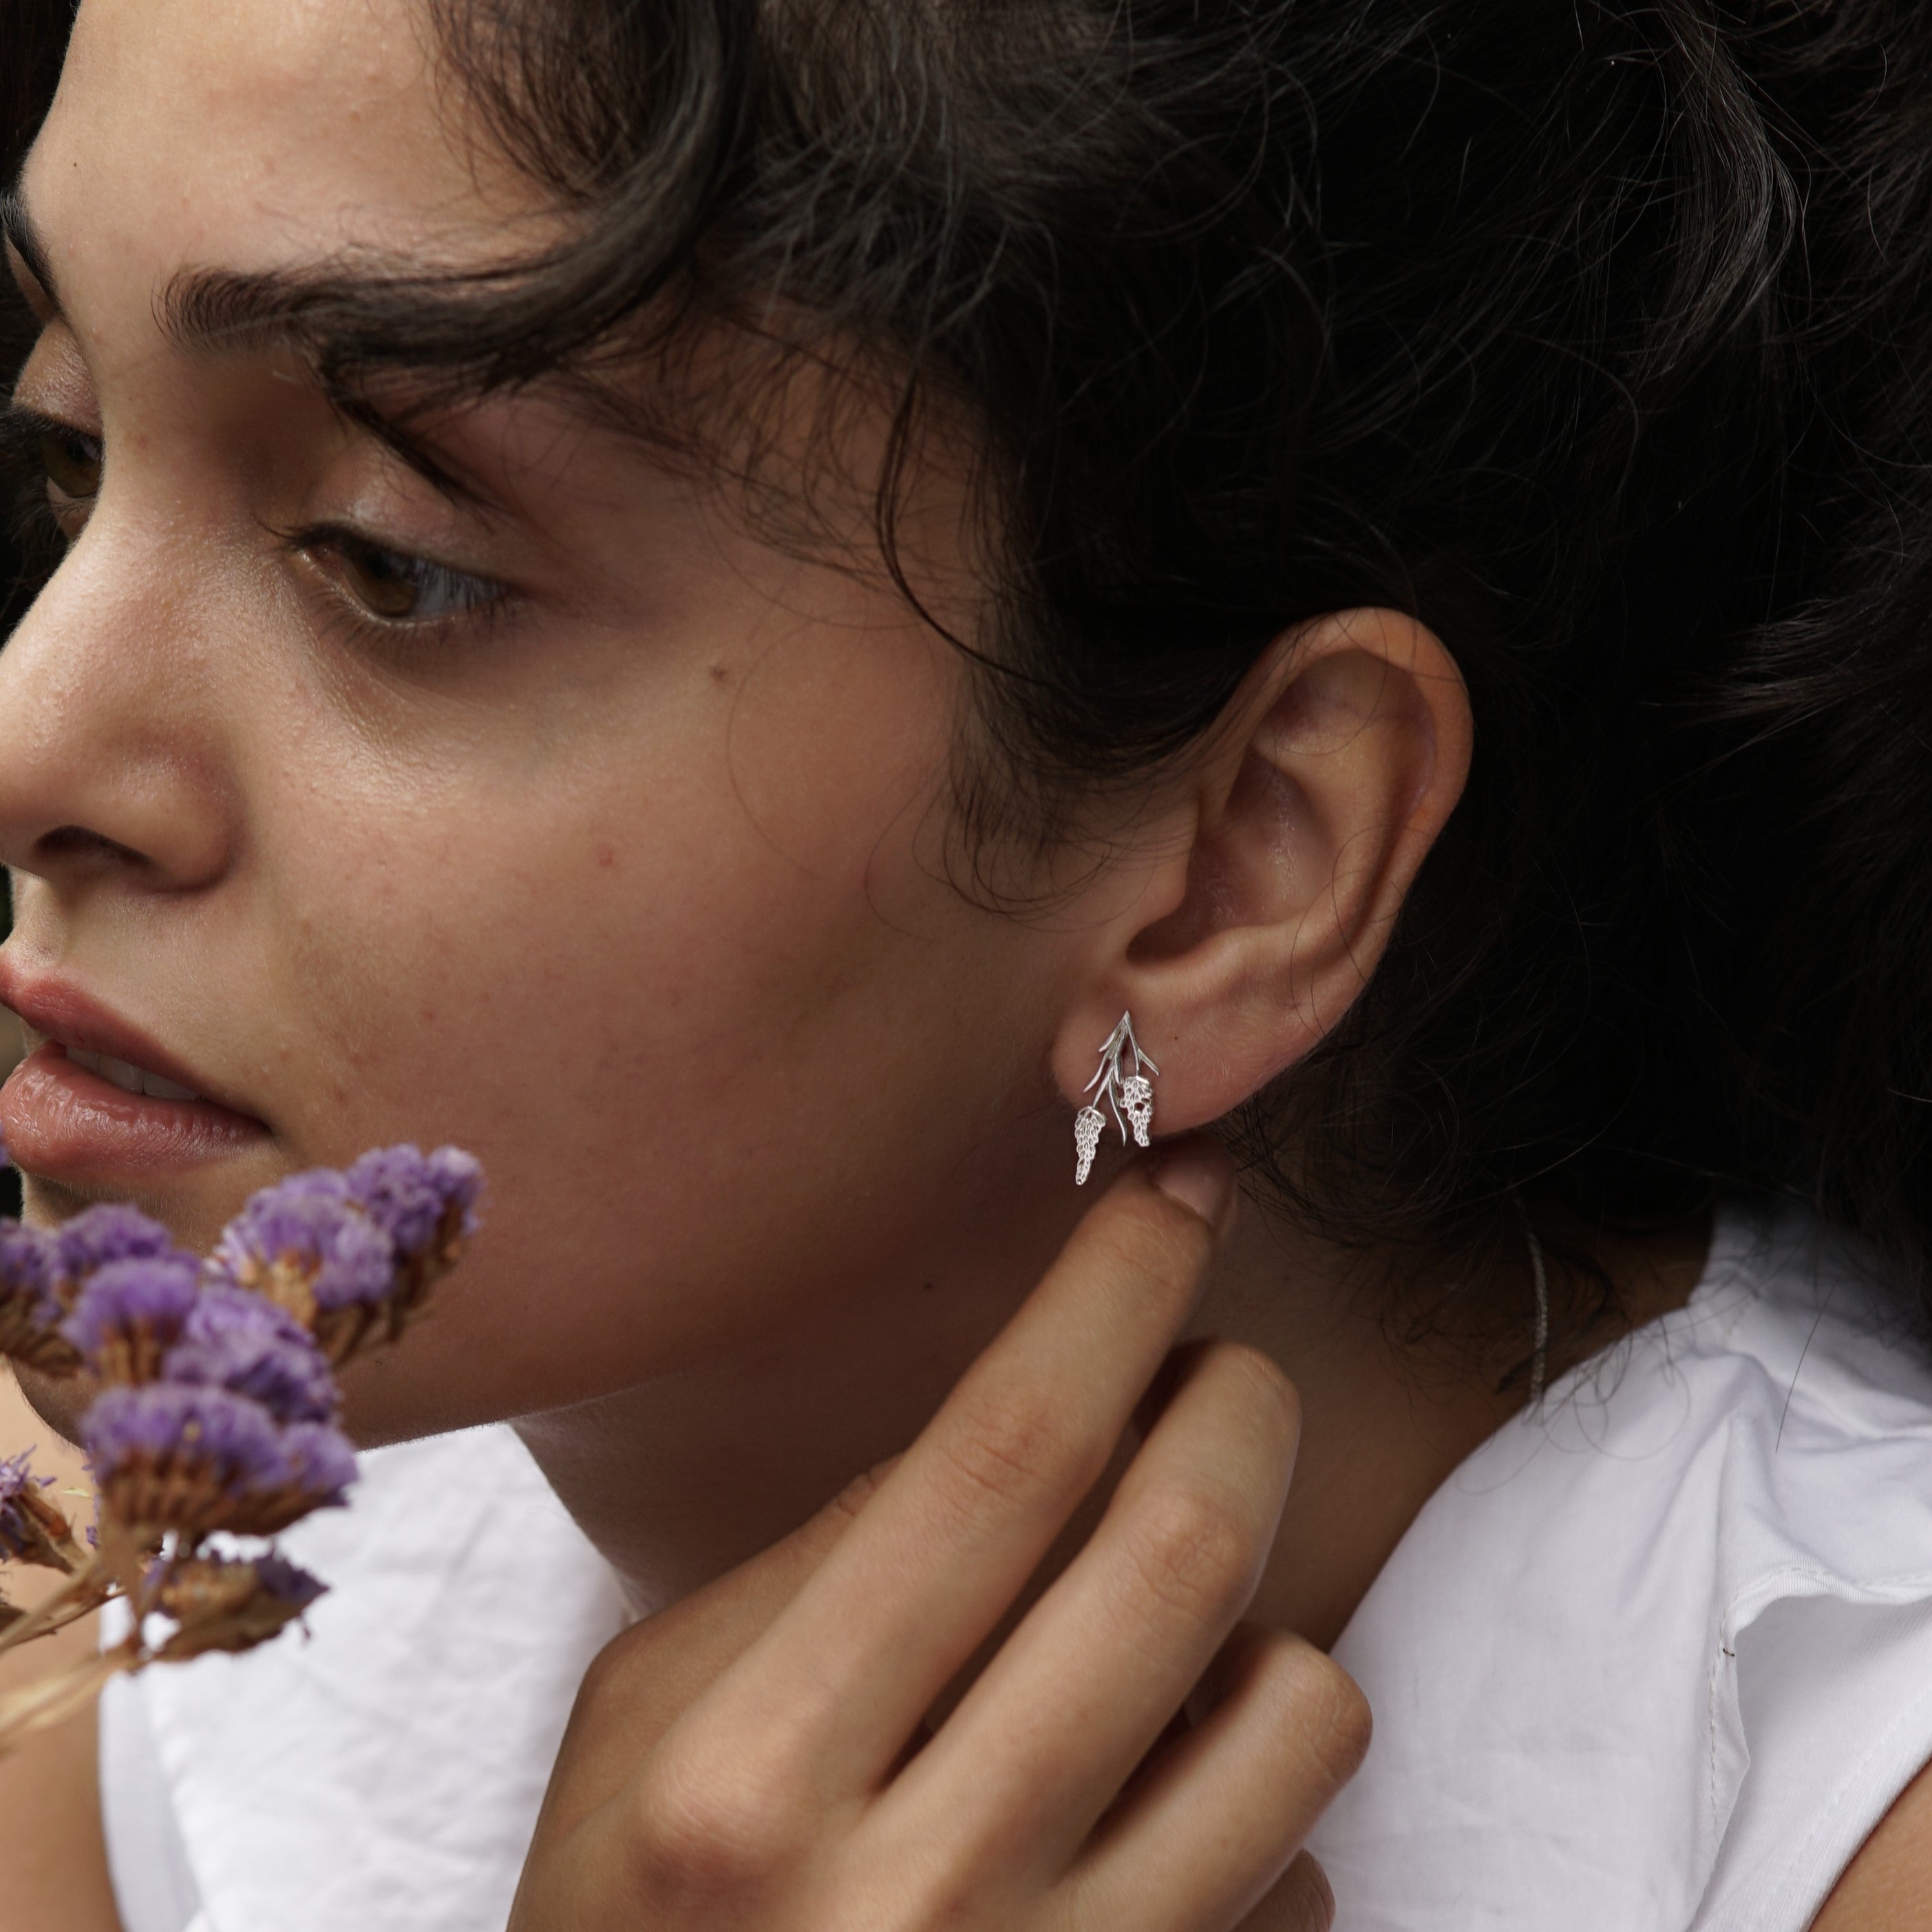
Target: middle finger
1043,1742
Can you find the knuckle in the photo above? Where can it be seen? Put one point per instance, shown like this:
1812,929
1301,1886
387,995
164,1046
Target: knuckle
710,1824
619,1674
847,1506
1007,1447
1193,1549
1155,1243
610,1668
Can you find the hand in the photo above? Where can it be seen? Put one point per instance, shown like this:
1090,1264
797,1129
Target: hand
757,1759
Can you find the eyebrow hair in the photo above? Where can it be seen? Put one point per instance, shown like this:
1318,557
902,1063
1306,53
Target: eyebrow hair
235,312
311,313
17,227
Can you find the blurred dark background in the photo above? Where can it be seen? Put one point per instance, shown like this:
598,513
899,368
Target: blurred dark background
32,33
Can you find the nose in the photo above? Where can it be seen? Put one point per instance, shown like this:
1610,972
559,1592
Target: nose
108,779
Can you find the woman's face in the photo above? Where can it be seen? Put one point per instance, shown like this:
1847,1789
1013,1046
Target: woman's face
557,815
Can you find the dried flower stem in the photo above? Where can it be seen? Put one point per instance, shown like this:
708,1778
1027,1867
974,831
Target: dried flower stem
82,1594
40,1705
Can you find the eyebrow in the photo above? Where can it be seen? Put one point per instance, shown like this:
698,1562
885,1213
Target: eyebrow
228,312
16,227
222,311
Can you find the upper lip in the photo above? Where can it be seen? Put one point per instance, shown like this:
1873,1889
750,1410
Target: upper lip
70,1017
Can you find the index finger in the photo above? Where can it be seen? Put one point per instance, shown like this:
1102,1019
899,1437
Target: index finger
647,1676
956,1531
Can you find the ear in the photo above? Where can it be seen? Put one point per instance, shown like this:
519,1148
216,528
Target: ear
1272,887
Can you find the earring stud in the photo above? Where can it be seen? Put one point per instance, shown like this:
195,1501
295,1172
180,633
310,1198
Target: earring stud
1126,1090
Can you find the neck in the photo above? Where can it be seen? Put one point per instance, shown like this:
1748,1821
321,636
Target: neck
681,1479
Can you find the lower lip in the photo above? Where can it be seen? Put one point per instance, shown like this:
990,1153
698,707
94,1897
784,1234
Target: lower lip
65,1124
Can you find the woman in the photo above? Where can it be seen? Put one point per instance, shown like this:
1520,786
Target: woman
801,565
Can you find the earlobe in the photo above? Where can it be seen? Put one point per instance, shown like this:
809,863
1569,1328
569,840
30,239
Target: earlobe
1313,807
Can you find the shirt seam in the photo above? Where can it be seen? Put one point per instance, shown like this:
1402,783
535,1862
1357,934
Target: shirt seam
1872,1592
1854,1781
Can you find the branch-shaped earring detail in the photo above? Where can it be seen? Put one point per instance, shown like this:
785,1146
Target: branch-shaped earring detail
1126,1090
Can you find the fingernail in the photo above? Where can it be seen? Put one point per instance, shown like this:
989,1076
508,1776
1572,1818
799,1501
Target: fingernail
1199,1177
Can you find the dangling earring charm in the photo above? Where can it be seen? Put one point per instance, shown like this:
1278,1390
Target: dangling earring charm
1125,1089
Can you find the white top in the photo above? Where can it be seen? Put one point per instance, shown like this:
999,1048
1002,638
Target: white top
1661,1656
1653,1660
384,1775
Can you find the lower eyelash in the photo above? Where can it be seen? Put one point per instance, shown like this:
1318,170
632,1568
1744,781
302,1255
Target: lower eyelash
29,517
352,619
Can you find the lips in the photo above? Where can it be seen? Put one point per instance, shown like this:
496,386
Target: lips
96,1100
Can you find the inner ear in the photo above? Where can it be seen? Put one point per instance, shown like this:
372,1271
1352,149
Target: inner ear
1252,856
1273,893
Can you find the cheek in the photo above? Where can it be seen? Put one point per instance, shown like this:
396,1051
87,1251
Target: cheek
690,993
659,901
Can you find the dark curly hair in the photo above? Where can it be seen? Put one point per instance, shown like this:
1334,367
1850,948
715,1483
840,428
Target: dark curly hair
1599,337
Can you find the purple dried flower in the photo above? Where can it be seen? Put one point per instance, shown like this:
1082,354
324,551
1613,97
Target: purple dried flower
113,1232
427,1204
16,1474
352,1256
26,1261
307,1246
178,1456
31,1529
235,1340
30,1312
42,1275
318,1459
423,1202
229,1604
130,1314
6,1159
289,1582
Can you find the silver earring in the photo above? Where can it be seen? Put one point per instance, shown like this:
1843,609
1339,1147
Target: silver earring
1127,1090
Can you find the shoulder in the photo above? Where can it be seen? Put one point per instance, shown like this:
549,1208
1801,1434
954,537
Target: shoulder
1885,1887
1677,1625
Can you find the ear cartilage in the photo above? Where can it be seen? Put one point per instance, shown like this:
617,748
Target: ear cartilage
1126,1091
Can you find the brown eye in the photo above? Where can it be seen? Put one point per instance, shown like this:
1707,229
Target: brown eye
394,586
388,584
72,463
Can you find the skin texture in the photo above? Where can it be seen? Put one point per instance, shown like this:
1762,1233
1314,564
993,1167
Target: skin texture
639,889
1884,1888
768,1752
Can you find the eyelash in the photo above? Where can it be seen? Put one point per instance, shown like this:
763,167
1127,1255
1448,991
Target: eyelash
472,599
31,520
41,533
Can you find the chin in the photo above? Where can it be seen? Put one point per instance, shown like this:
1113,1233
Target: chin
58,1401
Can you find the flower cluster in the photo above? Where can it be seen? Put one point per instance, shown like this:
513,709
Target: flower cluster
216,1402
32,1529
353,1255
227,1603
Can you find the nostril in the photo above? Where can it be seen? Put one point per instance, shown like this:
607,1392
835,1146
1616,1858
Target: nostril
76,842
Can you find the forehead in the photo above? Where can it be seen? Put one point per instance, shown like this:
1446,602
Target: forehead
257,134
